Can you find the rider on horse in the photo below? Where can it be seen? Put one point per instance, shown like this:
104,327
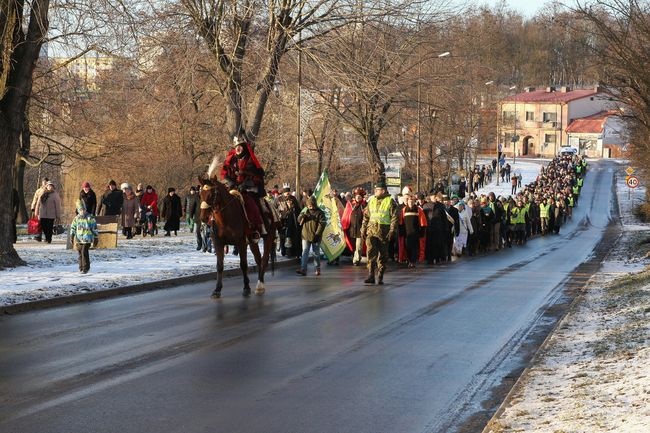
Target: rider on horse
242,171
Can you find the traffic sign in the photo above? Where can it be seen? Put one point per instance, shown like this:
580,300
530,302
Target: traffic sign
629,171
632,181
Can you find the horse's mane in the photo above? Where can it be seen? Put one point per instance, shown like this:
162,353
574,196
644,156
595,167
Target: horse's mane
212,170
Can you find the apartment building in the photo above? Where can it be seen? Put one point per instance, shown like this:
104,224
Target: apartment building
535,121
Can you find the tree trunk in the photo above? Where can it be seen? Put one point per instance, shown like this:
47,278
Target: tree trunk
8,255
13,105
377,167
19,184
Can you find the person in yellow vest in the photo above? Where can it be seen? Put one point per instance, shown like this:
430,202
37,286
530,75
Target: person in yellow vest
379,224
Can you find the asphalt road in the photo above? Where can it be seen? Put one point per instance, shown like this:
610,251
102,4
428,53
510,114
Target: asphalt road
427,352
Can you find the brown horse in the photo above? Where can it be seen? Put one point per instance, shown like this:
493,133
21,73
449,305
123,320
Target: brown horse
230,227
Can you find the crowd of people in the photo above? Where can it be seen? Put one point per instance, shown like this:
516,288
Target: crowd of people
410,228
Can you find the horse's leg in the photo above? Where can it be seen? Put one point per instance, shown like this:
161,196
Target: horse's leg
243,265
255,249
219,248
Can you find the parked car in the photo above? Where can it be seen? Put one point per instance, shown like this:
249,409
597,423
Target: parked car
568,150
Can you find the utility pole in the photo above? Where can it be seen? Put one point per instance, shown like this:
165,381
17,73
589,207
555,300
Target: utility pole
299,121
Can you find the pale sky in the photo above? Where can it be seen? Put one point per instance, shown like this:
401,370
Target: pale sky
527,7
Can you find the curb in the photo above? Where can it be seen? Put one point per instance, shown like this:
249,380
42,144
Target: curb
128,290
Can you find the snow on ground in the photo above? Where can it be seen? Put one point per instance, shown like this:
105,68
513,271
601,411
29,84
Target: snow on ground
593,376
528,168
53,271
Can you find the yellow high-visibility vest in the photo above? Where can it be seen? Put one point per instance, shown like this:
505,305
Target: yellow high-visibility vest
380,210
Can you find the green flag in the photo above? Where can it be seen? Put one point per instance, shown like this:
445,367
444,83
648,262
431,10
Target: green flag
333,242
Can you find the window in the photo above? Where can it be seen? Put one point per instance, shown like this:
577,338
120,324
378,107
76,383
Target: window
549,138
530,116
509,116
549,117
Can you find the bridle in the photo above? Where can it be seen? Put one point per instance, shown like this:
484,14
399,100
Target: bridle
205,205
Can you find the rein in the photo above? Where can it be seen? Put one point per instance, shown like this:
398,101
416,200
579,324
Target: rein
214,206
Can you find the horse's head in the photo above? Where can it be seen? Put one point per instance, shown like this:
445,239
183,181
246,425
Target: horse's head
210,197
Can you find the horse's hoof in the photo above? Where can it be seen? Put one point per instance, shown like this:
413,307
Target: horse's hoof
246,293
216,295
260,288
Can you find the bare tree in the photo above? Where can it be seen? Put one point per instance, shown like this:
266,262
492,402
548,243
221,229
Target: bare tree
373,63
620,38
22,37
248,39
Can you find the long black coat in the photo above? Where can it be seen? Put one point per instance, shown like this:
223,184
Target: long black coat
111,203
172,211
438,228
90,200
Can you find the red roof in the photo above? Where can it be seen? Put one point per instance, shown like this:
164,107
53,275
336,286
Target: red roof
590,124
555,96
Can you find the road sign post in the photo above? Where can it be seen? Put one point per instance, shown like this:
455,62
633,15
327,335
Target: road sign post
632,182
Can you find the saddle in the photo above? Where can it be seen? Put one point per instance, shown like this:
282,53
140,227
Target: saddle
269,213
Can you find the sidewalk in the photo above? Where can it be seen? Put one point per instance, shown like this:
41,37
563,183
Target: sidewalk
52,271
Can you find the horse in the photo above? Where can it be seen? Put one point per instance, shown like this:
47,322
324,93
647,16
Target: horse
225,211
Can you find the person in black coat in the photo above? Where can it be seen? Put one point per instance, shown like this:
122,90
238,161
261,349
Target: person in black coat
193,214
112,199
437,229
290,238
172,211
88,196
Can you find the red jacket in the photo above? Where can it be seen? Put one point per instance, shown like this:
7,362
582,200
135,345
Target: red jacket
245,171
150,199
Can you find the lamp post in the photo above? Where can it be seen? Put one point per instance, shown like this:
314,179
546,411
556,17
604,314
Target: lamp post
298,125
490,83
515,138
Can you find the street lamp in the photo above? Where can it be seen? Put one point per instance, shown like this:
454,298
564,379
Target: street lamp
515,138
299,130
490,83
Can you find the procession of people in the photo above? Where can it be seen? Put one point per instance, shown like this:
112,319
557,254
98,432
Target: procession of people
411,228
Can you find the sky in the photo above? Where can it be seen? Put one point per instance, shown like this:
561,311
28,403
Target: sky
526,7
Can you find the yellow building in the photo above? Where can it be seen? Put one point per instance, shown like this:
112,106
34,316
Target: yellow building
534,122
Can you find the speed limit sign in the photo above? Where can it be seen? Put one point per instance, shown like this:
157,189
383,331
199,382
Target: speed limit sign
632,181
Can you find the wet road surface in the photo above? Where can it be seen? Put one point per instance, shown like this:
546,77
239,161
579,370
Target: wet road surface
315,354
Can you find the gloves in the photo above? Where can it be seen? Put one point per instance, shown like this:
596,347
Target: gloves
317,239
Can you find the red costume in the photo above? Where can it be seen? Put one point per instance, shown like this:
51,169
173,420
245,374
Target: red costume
243,171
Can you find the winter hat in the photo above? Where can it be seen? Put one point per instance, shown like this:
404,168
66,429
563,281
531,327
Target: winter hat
125,185
170,189
86,184
192,188
80,206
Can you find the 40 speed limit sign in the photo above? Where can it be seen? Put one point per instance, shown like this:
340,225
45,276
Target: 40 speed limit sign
632,181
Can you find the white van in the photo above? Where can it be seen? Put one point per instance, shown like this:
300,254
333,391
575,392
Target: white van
568,150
